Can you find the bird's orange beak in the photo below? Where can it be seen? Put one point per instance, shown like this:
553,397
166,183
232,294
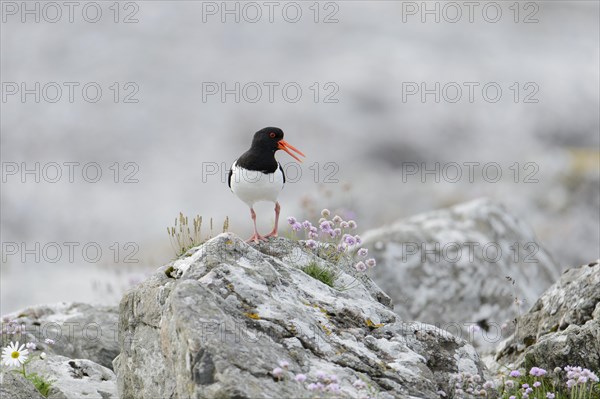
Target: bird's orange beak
287,147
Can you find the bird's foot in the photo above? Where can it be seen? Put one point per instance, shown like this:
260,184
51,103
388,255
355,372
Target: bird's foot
256,238
271,234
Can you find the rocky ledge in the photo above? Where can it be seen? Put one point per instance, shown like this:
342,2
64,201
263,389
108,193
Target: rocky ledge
563,326
231,320
237,321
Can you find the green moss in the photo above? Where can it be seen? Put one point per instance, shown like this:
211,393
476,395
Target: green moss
323,274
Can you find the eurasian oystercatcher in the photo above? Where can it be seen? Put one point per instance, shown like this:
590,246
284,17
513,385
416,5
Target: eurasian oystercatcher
257,176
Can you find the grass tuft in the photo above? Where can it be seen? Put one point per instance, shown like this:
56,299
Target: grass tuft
323,274
183,236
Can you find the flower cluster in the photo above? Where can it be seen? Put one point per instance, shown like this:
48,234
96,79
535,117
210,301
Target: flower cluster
322,382
468,384
325,383
11,327
528,385
537,372
336,232
572,382
278,372
579,376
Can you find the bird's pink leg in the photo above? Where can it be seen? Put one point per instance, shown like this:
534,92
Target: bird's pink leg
255,237
274,232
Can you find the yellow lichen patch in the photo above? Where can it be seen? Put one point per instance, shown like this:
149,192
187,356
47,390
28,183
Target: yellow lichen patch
325,328
229,287
253,316
370,324
322,309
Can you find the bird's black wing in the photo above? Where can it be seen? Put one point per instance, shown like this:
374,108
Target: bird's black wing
229,177
281,169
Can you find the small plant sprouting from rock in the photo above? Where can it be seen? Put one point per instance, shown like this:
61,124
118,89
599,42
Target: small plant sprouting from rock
18,357
323,274
183,236
332,242
42,384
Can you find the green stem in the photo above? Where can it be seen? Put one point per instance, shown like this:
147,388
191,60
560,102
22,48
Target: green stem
24,373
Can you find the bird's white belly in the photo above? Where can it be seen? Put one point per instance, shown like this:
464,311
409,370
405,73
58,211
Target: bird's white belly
252,186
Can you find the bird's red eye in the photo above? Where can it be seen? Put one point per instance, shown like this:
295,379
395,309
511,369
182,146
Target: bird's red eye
272,135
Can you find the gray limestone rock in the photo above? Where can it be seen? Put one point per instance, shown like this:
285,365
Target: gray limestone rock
15,386
79,330
460,267
563,326
216,324
76,378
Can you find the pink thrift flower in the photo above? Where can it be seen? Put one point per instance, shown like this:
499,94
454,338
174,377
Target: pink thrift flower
284,363
360,267
321,375
325,226
350,240
536,371
277,372
333,387
359,384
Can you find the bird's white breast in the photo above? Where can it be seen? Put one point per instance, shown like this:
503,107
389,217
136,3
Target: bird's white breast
252,186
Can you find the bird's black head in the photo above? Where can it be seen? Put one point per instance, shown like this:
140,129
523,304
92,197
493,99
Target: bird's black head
267,139
270,139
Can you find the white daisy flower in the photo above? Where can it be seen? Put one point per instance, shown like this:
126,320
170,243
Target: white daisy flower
13,355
